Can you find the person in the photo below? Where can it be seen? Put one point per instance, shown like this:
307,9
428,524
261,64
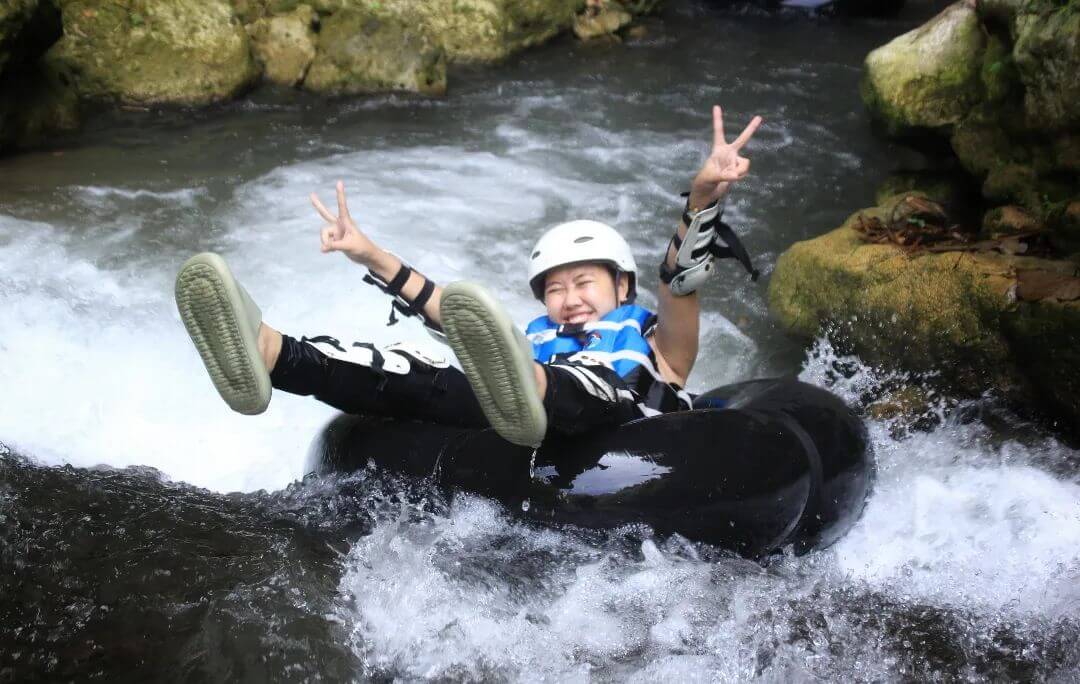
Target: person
594,358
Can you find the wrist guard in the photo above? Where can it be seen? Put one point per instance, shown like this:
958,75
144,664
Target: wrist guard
693,258
404,306
707,238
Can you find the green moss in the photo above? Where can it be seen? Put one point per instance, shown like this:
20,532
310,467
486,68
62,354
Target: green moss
1047,56
999,77
952,314
1016,183
982,143
185,52
484,30
366,50
928,77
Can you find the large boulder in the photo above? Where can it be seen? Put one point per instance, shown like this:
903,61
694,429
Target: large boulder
1047,55
151,52
977,321
928,77
285,44
368,49
486,30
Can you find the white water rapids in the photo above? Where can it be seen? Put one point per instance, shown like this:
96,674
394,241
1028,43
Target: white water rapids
95,368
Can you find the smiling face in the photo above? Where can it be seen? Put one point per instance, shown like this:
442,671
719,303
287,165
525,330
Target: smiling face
582,293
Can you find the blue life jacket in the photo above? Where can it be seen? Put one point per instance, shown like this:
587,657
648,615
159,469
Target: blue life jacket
617,339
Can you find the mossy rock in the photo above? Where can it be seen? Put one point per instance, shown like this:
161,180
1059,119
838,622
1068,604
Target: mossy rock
370,51
485,31
982,142
1013,183
1047,57
285,44
923,312
148,52
953,314
928,77
943,188
1009,220
999,76
1044,341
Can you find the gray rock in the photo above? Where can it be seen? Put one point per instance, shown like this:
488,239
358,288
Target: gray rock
186,52
928,77
369,51
285,45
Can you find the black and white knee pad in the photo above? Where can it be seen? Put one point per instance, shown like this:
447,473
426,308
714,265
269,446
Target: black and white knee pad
399,358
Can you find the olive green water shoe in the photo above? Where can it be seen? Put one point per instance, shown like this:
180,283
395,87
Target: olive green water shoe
223,322
497,360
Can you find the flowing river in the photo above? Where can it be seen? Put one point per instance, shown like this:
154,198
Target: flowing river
149,533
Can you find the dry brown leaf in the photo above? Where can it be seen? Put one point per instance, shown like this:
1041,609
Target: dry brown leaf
1034,285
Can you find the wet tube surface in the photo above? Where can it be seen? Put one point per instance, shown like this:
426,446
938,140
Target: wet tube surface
781,463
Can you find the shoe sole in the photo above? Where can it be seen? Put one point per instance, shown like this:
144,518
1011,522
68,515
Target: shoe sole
497,360
218,316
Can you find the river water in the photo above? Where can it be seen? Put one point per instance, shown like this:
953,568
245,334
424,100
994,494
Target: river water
150,533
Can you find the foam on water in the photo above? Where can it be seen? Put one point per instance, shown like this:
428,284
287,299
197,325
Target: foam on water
958,524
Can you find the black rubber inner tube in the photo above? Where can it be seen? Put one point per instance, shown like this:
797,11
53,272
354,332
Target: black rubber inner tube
783,463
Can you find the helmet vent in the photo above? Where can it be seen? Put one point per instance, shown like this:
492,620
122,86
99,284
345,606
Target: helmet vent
583,239
536,254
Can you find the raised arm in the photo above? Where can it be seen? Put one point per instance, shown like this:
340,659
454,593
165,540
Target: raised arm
678,325
341,234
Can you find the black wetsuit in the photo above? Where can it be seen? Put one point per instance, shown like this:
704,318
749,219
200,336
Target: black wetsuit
575,402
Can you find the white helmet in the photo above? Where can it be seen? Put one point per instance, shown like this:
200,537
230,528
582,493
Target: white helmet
577,241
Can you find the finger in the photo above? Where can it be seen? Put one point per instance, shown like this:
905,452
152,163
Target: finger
742,167
342,207
718,126
323,211
326,236
745,136
738,171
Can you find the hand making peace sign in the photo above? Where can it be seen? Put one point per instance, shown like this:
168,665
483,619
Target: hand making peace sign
341,234
724,165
